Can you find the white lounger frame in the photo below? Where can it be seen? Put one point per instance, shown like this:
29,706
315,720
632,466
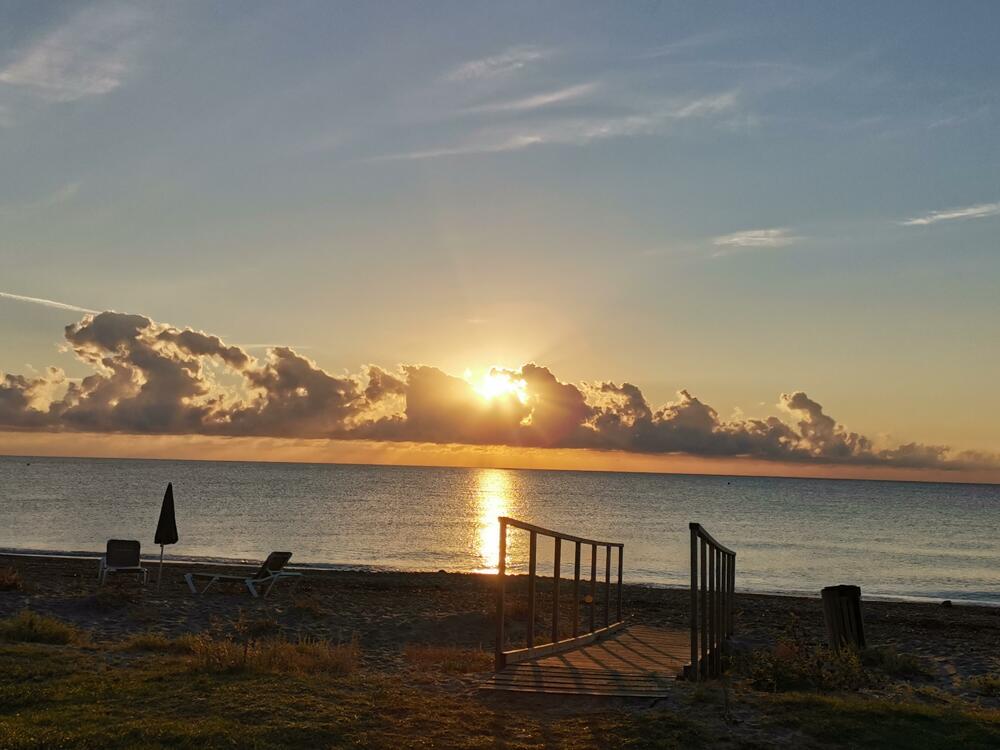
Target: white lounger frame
249,581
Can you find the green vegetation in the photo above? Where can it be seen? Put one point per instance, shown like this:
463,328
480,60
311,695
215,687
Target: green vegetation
253,688
883,723
30,627
69,697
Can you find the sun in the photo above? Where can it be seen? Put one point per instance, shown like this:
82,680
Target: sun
496,383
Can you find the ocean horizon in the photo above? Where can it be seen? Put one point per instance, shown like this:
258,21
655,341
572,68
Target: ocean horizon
920,541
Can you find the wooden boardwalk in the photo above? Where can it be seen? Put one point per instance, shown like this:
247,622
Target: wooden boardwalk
638,662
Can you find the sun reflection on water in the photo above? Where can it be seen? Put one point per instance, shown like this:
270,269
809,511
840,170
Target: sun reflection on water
494,495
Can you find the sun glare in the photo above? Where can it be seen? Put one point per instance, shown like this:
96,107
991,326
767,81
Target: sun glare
497,383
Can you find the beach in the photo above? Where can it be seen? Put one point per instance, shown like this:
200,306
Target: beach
948,653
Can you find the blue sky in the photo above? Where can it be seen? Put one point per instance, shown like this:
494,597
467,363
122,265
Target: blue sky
738,199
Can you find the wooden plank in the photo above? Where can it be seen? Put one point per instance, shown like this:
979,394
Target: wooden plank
544,649
640,661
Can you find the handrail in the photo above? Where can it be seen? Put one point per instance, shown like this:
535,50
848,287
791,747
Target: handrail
712,598
504,657
549,532
703,532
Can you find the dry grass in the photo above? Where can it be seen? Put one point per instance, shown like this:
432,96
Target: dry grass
987,684
10,579
274,655
31,627
447,658
158,643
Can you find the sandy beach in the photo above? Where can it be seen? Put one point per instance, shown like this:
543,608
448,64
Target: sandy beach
386,612
404,656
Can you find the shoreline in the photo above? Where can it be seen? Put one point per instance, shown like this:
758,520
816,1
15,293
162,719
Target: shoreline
231,562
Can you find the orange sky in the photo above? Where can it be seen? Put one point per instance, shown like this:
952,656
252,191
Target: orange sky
424,454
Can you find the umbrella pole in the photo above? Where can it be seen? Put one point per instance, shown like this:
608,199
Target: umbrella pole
159,578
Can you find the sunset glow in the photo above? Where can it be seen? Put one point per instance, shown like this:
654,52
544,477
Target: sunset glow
499,383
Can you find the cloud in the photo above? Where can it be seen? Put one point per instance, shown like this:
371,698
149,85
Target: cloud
576,130
538,101
89,55
979,211
707,105
504,63
156,379
45,302
756,238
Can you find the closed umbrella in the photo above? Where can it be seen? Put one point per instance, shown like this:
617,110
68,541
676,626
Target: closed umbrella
166,528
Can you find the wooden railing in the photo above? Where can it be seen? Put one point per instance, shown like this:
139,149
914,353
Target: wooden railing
713,584
580,635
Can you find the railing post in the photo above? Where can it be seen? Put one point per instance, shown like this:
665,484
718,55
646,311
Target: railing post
718,612
621,557
729,597
593,588
713,639
694,604
732,597
703,605
532,563
576,591
499,661
555,590
607,587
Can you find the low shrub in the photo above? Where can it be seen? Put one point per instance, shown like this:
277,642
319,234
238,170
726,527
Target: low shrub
794,666
447,658
10,579
987,684
31,627
893,663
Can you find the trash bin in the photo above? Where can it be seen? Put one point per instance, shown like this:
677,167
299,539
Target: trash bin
842,610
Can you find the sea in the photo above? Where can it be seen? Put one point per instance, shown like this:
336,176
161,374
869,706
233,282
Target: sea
897,540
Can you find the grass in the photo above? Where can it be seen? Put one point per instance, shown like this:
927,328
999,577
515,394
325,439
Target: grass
274,655
31,627
448,658
209,653
73,698
67,696
854,721
157,643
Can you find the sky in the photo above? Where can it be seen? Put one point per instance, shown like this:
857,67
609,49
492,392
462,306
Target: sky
742,212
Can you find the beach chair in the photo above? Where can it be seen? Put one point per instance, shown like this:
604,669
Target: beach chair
270,573
121,556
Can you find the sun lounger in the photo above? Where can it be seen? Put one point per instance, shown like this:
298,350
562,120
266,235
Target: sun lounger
270,573
121,556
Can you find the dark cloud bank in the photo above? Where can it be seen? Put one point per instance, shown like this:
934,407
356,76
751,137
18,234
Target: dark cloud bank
151,378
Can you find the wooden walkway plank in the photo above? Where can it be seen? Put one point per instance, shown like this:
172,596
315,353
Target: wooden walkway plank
639,662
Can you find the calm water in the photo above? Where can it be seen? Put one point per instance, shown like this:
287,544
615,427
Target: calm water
795,535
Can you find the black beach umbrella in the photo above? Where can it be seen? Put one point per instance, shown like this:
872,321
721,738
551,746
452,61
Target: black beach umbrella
166,528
